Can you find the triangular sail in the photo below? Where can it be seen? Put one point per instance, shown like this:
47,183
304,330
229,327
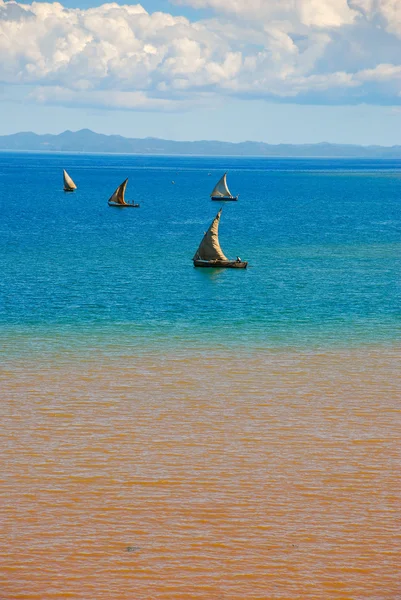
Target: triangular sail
221,188
118,196
209,248
68,182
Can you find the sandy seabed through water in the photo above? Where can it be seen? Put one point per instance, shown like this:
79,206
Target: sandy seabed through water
177,476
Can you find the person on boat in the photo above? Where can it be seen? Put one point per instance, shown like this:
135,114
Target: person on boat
238,259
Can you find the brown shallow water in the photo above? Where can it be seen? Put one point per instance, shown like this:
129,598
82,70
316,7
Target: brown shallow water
269,475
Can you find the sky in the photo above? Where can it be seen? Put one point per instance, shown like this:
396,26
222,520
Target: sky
277,71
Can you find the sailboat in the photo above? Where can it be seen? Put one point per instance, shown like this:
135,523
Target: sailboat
117,199
210,254
221,191
69,185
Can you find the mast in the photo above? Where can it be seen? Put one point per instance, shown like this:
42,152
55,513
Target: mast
209,248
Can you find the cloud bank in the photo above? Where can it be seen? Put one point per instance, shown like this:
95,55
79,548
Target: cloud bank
306,51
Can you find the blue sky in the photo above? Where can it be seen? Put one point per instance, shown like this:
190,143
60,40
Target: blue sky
278,71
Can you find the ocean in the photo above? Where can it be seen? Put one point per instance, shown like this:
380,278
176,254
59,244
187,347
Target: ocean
177,433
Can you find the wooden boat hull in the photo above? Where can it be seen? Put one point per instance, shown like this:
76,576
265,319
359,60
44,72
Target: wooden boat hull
224,198
221,264
123,205
65,189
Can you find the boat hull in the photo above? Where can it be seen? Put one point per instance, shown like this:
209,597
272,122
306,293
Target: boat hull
221,264
68,190
123,205
224,198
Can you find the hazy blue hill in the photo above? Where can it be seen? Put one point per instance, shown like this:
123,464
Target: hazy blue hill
86,140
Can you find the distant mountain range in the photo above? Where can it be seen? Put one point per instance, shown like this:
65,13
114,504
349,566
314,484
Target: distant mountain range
86,140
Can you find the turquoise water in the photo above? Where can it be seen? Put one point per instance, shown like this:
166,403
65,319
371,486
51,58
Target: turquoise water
322,237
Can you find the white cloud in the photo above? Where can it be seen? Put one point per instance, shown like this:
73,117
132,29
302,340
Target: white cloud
102,98
381,73
122,56
386,13
309,13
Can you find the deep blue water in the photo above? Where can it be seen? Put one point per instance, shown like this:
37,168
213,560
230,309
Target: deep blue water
322,237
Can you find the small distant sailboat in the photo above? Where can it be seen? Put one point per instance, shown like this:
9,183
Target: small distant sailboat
221,192
210,254
117,199
69,185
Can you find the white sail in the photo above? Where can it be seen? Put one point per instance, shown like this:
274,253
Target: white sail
221,188
68,182
209,248
118,196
